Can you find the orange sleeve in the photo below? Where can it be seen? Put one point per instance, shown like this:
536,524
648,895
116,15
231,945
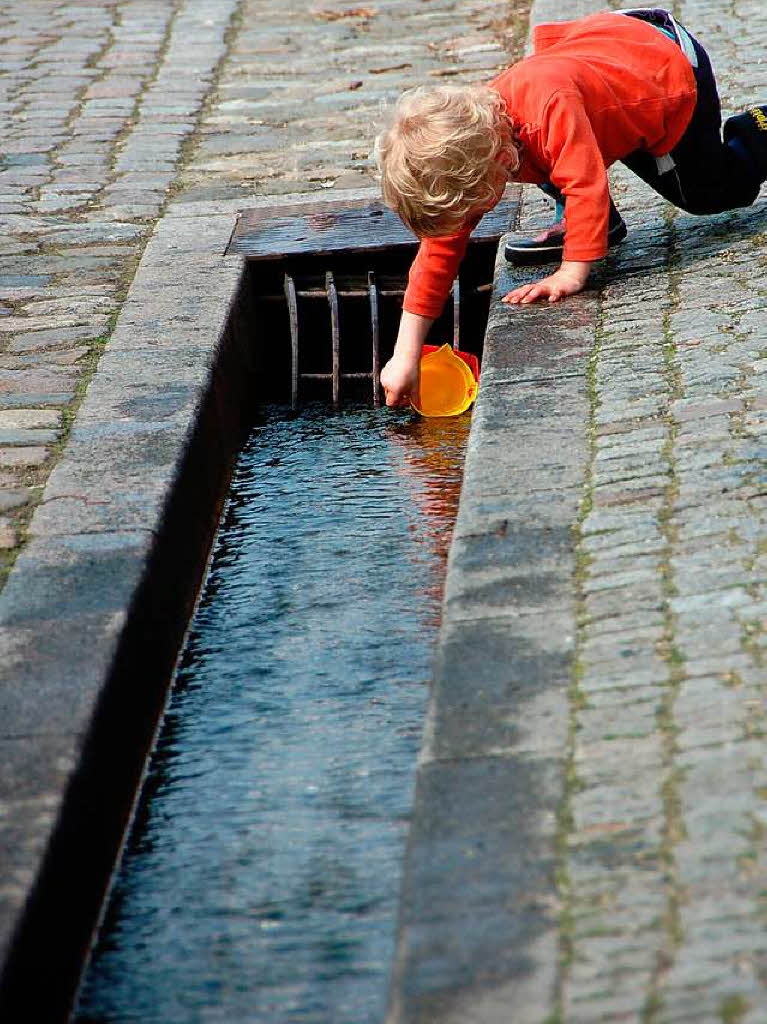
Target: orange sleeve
433,272
578,169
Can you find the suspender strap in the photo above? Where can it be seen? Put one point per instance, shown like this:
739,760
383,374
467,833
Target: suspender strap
666,23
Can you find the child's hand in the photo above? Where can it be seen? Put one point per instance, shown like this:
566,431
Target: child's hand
400,376
399,379
569,279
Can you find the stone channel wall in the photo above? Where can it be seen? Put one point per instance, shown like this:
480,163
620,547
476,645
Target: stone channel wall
132,135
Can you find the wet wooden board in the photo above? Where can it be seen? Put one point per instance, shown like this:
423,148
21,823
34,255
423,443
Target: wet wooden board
334,226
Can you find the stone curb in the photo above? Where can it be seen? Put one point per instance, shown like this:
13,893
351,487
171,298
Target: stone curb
479,912
479,925
97,600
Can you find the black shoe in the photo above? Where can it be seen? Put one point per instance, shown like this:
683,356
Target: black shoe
549,245
750,129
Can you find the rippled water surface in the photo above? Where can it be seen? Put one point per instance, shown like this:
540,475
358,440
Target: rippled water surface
261,880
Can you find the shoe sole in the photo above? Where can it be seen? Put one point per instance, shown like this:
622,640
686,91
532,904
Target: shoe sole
545,252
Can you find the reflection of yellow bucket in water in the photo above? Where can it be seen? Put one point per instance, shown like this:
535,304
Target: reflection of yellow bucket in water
448,381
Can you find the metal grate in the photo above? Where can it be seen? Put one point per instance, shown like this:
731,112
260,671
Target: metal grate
299,239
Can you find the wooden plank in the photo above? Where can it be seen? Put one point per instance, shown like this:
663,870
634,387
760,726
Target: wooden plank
327,227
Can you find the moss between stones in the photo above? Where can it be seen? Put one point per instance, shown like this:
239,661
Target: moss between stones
733,1008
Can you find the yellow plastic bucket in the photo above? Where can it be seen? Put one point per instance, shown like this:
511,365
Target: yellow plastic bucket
448,386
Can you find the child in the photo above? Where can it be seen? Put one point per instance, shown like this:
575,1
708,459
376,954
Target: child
632,86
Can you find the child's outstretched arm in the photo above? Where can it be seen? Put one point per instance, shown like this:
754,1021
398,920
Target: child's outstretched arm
570,278
399,377
429,281
578,170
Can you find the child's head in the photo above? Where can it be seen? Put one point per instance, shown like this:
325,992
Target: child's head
446,155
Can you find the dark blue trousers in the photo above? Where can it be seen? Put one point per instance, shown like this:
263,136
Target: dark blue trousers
708,175
704,174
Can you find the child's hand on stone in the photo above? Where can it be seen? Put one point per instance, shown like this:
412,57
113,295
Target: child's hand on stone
569,279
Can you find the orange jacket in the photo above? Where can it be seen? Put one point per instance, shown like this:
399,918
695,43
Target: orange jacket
593,91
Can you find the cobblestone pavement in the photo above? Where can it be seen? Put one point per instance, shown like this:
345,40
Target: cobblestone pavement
109,111
288,120
97,102
661,872
609,563
665,862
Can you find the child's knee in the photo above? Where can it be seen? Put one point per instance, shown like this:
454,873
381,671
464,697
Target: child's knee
720,202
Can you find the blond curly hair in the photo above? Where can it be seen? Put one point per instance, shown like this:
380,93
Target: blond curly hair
447,153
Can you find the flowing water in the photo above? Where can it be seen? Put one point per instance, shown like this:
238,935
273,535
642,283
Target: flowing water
260,882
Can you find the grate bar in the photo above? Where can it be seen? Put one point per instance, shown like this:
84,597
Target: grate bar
290,296
358,293
343,293
330,285
375,337
361,375
456,313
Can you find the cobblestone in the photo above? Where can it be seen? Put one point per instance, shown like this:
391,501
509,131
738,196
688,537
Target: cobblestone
28,456
691,368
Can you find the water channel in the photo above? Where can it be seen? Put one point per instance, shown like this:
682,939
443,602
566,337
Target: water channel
260,881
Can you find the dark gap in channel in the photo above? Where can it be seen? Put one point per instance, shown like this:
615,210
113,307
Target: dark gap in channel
164,953
350,272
